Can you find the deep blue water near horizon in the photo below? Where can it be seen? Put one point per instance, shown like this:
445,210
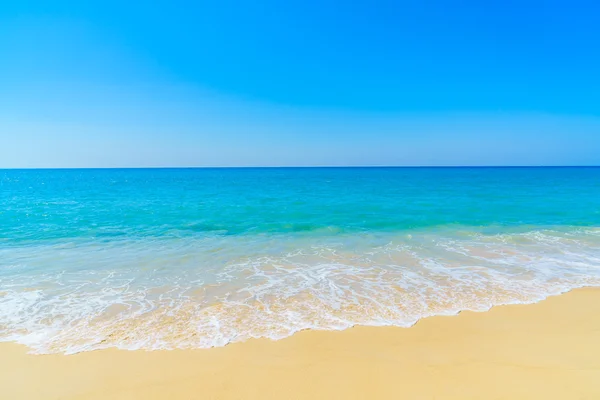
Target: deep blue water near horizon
185,258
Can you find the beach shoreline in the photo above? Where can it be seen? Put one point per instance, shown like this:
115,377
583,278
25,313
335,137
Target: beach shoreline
544,350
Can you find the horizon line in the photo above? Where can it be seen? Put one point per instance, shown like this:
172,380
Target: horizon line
302,167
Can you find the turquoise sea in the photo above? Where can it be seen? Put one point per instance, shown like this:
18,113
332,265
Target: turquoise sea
193,258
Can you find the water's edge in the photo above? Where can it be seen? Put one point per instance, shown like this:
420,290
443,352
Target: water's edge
32,351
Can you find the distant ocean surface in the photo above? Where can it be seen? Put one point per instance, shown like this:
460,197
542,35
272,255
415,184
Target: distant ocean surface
194,258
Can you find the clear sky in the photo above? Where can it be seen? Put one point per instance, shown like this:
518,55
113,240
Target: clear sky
253,83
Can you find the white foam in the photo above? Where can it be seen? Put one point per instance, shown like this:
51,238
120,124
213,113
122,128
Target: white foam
197,293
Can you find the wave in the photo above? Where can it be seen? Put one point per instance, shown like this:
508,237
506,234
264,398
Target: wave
204,292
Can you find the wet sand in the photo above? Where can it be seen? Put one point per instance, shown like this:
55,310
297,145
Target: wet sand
548,350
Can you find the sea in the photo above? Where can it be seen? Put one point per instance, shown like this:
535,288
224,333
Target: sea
196,258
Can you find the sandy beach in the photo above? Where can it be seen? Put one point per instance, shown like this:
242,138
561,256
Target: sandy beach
547,350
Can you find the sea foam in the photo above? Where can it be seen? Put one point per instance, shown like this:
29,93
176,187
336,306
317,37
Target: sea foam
202,292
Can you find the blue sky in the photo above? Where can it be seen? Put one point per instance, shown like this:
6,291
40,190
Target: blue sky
246,83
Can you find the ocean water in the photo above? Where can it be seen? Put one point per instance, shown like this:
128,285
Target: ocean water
195,258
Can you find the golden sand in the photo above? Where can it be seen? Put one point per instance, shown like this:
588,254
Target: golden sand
549,350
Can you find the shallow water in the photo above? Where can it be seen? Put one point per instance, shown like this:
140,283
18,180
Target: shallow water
187,258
